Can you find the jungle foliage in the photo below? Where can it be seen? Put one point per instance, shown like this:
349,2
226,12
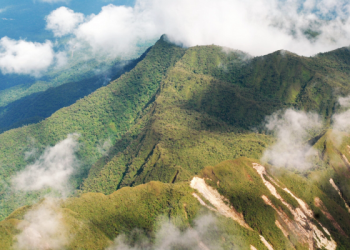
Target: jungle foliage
177,112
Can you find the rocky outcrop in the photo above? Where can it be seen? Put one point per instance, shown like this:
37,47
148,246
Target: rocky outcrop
301,226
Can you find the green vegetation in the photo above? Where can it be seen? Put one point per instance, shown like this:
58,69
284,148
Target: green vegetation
172,116
120,103
94,220
38,106
239,182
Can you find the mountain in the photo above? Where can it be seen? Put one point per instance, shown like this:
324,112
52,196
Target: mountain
37,106
239,203
178,112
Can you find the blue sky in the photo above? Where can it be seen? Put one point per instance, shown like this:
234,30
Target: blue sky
257,27
26,18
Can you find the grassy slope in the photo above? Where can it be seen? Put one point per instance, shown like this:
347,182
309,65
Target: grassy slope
203,108
175,138
107,113
242,186
176,112
239,182
92,221
193,122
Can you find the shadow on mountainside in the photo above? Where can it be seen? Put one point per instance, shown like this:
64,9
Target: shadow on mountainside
38,106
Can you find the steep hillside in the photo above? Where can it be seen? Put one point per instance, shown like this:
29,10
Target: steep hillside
38,106
237,204
175,137
203,109
108,113
176,112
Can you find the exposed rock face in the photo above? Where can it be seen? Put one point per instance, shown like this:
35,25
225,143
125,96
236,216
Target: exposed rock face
278,224
217,200
302,225
319,204
263,240
340,194
220,204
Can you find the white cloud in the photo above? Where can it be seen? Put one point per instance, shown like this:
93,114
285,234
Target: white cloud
292,129
61,59
53,169
24,57
255,26
104,146
42,228
63,21
117,29
344,101
170,237
2,10
341,120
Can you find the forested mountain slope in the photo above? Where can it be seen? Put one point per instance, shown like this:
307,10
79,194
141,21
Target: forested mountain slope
108,113
38,106
202,113
237,204
177,112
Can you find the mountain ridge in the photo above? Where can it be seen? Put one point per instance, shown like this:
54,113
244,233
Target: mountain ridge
178,112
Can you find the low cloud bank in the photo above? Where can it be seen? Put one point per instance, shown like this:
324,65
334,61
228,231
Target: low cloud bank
292,129
169,237
42,228
260,27
52,170
257,27
341,121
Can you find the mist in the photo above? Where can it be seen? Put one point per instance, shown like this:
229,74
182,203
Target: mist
341,120
168,236
292,130
42,228
52,170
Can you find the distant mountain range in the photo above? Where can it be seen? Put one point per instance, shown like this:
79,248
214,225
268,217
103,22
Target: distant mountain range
169,155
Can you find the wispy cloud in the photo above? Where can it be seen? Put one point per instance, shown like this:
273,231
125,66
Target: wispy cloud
104,146
4,9
341,120
52,170
42,228
168,236
292,129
